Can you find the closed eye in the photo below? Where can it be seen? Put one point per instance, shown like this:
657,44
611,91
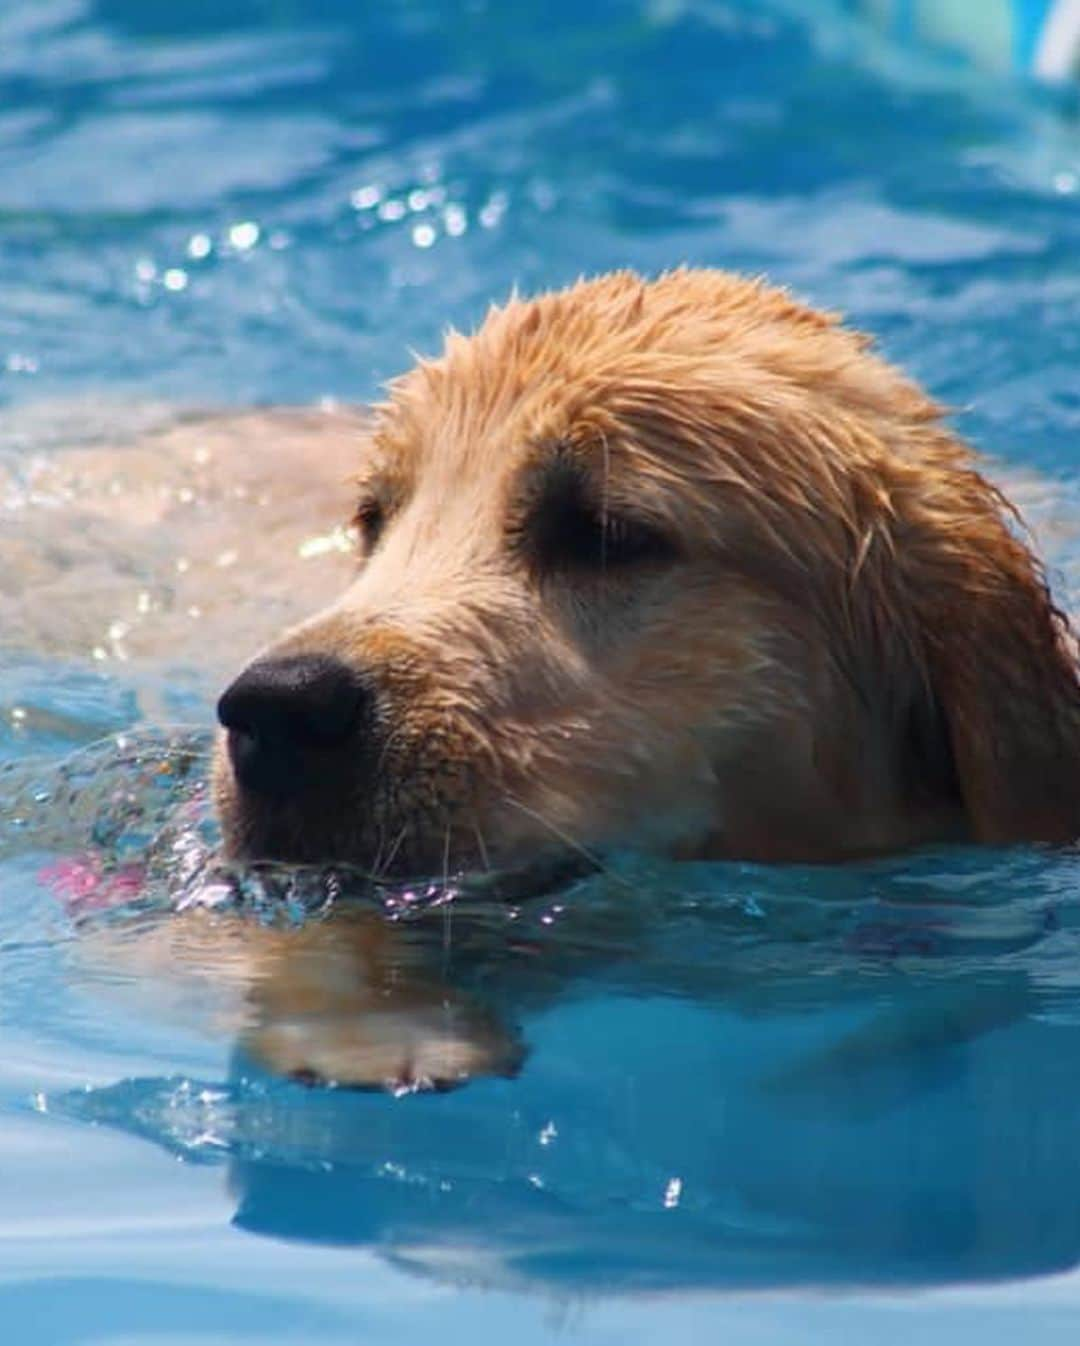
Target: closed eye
566,530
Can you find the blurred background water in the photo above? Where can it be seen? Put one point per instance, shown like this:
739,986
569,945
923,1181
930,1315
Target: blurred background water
739,1079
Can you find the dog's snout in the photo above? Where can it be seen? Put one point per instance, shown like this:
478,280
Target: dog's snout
284,714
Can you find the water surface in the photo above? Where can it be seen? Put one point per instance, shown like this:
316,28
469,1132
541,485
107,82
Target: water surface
741,1085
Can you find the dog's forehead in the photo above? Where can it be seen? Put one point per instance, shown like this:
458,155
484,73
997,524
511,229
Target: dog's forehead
491,397
535,372
667,374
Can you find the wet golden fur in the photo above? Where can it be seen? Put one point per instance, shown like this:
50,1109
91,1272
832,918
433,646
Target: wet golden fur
829,639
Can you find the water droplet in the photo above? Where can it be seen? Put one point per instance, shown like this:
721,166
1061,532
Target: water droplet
366,198
244,235
17,363
493,211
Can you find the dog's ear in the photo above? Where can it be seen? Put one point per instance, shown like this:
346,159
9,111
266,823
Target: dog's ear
1001,665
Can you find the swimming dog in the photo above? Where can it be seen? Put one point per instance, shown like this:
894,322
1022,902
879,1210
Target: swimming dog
681,564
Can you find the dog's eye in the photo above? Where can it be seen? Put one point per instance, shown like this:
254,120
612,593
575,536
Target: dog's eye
628,541
577,536
369,521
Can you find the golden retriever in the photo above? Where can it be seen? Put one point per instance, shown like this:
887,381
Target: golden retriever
679,564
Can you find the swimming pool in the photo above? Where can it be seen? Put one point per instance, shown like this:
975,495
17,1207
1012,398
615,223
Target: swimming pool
772,1105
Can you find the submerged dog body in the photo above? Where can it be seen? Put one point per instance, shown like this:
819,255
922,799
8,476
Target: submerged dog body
679,564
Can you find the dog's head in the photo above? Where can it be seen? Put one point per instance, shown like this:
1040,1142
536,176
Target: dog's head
677,564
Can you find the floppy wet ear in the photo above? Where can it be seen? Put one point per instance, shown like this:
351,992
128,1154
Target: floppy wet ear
1001,663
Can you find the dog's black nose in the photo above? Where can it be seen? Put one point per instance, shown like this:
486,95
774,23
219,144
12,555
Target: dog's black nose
285,715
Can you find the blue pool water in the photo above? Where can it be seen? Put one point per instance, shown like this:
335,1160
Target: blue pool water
743,1087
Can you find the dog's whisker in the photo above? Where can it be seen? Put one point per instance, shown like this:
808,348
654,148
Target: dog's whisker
383,753
447,905
576,846
392,854
481,848
605,493
377,861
